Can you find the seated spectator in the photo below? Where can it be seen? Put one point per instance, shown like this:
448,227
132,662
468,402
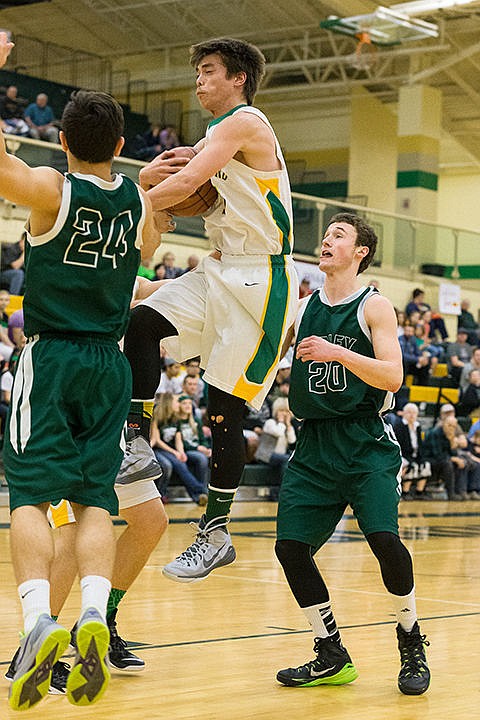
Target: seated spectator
192,263
425,346
415,469
469,403
277,441
191,389
171,378
169,138
193,369
148,145
473,448
160,272
12,119
474,364
304,288
171,271
41,120
401,321
415,363
475,427
195,443
438,330
459,353
6,345
441,451
253,423
467,321
12,265
166,441
417,303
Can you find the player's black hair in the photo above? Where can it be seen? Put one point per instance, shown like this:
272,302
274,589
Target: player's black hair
237,56
93,124
365,235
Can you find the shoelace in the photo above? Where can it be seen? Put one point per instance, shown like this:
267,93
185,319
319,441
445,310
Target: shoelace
412,653
117,643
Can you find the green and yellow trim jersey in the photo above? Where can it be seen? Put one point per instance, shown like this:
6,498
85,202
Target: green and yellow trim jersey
253,215
323,390
80,275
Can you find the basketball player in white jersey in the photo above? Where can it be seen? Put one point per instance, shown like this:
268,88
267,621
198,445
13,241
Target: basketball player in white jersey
234,310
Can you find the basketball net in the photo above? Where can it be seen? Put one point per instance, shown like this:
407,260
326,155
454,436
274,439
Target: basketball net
365,52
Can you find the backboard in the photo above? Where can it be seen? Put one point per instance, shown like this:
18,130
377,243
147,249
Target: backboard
384,27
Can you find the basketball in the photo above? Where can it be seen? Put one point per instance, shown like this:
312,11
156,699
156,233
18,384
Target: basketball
198,202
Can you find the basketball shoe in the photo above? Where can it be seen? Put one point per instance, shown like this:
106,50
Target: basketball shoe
139,461
332,666
58,681
39,650
211,549
118,656
89,676
414,676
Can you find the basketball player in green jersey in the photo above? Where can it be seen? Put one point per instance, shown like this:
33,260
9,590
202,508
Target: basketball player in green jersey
235,309
71,393
346,366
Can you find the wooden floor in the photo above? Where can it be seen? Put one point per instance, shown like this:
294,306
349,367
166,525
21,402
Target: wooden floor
212,648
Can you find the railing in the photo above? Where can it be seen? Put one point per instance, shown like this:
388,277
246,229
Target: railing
406,245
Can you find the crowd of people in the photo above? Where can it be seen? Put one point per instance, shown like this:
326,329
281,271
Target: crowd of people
34,119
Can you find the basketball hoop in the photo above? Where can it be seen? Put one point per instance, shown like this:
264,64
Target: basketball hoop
365,52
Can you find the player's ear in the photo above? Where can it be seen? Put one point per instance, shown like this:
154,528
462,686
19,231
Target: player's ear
362,251
63,141
240,78
119,146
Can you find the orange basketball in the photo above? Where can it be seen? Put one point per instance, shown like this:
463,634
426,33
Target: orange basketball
198,202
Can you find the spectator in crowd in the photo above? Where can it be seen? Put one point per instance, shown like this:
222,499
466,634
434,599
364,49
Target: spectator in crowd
441,451
475,427
438,331
41,121
192,369
374,283
171,378
415,363
192,263
169,138
12,265
304,288
277,441
415,469
166,441
424,345
148,145
6,384
474,364
467,321
6,345
253,423
459,353
15,329
12,118
190,388
474,472
470,397
401,321
171,270
159,270
195,443
417,303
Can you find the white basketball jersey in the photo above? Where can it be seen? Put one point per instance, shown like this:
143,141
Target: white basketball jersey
253,215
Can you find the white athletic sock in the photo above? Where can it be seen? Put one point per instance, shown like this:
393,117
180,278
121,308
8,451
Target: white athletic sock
405,609
35,598
95,591
322,621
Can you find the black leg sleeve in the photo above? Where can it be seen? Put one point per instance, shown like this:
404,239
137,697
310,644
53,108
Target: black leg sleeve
142,348
303,576
225,416
395,562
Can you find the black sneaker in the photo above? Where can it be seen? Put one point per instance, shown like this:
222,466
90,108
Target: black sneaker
119,657
414,676
332,666
59,675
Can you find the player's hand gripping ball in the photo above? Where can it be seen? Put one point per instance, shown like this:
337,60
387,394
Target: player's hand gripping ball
201,200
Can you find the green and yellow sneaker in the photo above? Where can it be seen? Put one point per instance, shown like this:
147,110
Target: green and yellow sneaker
332,666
